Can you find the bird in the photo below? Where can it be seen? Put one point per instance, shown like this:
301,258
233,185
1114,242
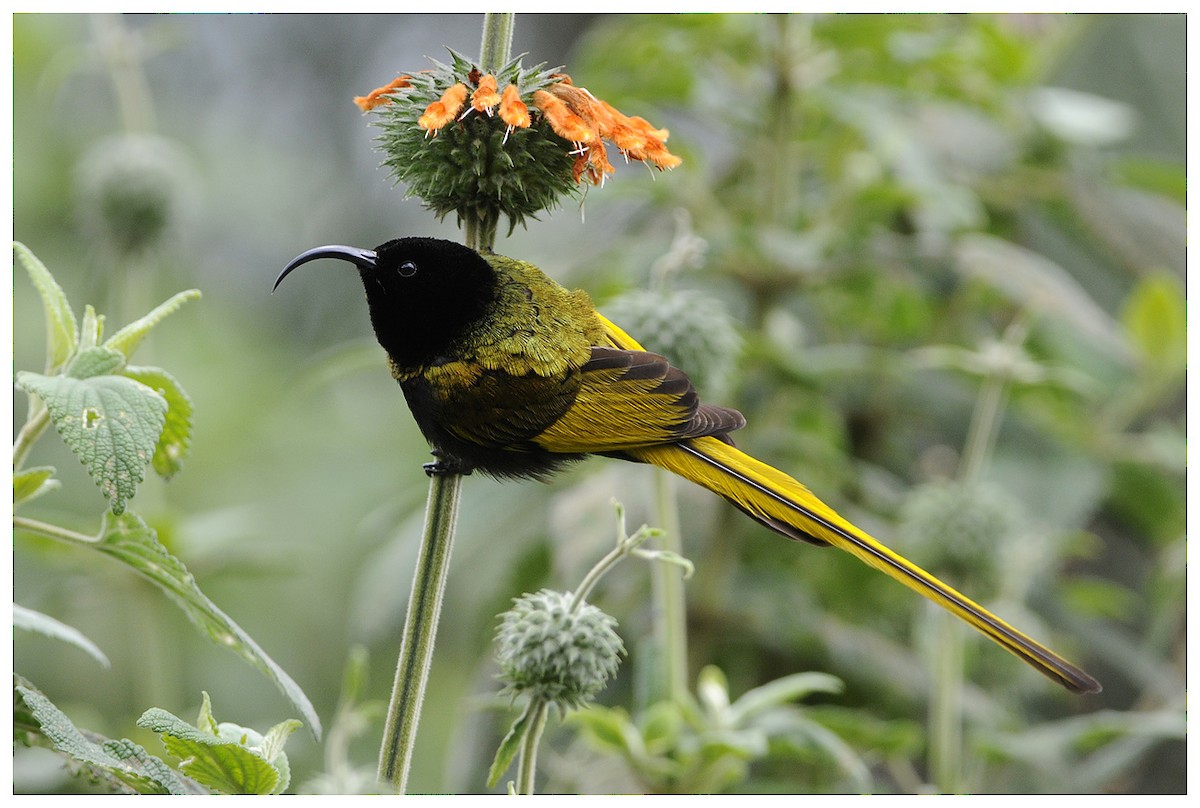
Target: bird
508,373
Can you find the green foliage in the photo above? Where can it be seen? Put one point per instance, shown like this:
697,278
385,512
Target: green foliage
44,624
119,765
117,419
112,423
227,758
110,415
32,483
707,743
128,539
61,331
175,440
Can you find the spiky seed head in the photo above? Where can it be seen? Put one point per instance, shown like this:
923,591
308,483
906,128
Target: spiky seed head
549,651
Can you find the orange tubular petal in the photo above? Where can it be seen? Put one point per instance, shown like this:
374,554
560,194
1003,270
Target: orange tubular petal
485,96
378,96
512,109
565,123
643,126
444,110
585,105
628,139
657,153
598,156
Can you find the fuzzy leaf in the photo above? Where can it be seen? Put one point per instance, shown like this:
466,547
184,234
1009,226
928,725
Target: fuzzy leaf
508,749
61,330
781,691
122,765
128,539
222,764
47,626
175,440
32,483
96,362
111,423
91,329
130,337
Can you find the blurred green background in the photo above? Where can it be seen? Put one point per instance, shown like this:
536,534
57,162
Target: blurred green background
871,200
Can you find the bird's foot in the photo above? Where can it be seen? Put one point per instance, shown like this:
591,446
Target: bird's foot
445,466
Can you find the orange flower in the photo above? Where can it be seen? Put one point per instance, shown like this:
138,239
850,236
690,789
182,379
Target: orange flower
513,110
565,123
569,111
635,137
486,96
593,161
379,95
445,109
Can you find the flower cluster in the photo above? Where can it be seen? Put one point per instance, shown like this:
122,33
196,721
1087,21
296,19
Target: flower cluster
553,652
509,142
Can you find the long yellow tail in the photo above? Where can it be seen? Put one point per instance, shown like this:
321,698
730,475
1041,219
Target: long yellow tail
784,505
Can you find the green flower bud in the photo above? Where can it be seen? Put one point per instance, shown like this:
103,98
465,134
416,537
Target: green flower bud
961,530
693,330
131,189
553,653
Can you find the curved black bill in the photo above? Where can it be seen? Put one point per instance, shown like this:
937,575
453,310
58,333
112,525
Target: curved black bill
355,255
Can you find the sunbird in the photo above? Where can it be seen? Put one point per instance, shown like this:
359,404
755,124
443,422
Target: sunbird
509,373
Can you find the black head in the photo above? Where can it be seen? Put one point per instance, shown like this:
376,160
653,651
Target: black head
424,294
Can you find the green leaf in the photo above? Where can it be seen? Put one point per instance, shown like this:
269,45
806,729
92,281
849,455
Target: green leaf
230,763
32,483
609,728
96,362
786,689
128,539
206,722
1155,318
121,765
47,626
61,330
130,337
175,440
111,423
91,329
508,749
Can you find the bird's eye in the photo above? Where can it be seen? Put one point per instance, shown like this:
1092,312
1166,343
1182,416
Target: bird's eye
407,269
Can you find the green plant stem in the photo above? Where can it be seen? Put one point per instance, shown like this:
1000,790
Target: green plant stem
497,41
670,604
35,425
441,514
985,423
945,708
420,629
625,545
527,761
52,531
122,55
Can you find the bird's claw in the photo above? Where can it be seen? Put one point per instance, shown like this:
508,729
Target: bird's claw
443,466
